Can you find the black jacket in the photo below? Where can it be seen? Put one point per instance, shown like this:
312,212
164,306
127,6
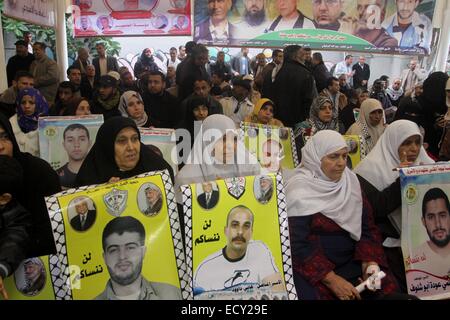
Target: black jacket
111,65
212,201
162,108
292,93
321,75
187,73
17,63
14,237
360,75
75,222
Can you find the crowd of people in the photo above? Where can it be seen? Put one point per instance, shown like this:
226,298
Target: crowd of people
338,218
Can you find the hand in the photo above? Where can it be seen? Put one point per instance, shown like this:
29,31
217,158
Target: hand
440,122
365,265
368,269
3,290
341,288
114,180
404,161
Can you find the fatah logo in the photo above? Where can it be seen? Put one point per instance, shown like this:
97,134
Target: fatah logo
116,201
236,187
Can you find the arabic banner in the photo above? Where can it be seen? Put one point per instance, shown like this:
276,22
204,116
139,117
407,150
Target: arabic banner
356,150
237,239
119,241
272,146
64,142
132,17
32,280
40,12
388,26
163,142
426,230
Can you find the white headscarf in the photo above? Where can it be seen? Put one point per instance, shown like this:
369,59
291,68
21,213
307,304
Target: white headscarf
310,191
123,105
363,127
202,166
377,167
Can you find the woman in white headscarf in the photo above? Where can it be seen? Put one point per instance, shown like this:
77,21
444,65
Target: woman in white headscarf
131,106
370,124
217,154
399,146
334,240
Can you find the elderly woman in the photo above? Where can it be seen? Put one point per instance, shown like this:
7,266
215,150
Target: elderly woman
370,124
131,106
334,240
263,113
217,154
118,153
399,146
30,106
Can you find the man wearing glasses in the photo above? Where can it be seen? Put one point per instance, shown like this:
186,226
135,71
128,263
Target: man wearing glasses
328,14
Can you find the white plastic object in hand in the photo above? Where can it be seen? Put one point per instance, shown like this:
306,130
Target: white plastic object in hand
371,282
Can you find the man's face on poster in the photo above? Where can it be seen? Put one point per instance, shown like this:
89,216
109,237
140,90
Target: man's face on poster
218,9
239,229
81,207
286,7
76,143
437,222
84,22
32,271
124,255
326,12
406,8
265,184
104,22
181,20
207,187
152,195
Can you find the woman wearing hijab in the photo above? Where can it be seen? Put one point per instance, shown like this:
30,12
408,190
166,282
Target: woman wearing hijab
78,107
263,113
399,146
145,63
217,154
322,116
131,106
197,109
118,153
334,240
30,106
370,123
40,180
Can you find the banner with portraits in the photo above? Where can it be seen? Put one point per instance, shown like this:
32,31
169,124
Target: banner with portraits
64,142
163,142
237,239
273,146
355,150
39,12
131,18
426,230
118,241
388,26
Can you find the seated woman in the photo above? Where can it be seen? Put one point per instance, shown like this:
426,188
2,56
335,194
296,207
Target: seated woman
30,106
217,154
263,113
118,153
321,117
347,114
131,106
77,107
40,181
370,124
399,146
334,240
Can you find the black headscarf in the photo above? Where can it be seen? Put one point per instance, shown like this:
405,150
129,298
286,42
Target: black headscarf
100,165
433,97
39,181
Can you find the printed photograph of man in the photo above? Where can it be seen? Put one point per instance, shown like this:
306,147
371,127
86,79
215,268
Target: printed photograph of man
272,152
327,14
85,213
124,250
103,23
30,277
290,17
153,199
254,20
160,21
180,23
216,27
436,221
210,196
243,263
76,142
263,189
410,28
85,23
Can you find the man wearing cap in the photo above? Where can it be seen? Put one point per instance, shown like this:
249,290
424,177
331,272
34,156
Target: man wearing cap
154,200
34,273
106,99
238,106
20,62
266,189
103,63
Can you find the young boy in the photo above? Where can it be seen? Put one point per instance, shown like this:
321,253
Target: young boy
14,220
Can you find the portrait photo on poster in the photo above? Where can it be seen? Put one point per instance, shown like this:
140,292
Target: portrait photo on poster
160,21
180,22
263,189
104,23
208,195
150,199
82,213
30,277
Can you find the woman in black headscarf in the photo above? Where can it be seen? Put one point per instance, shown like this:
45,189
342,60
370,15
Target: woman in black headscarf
40,180
118,153
145,63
